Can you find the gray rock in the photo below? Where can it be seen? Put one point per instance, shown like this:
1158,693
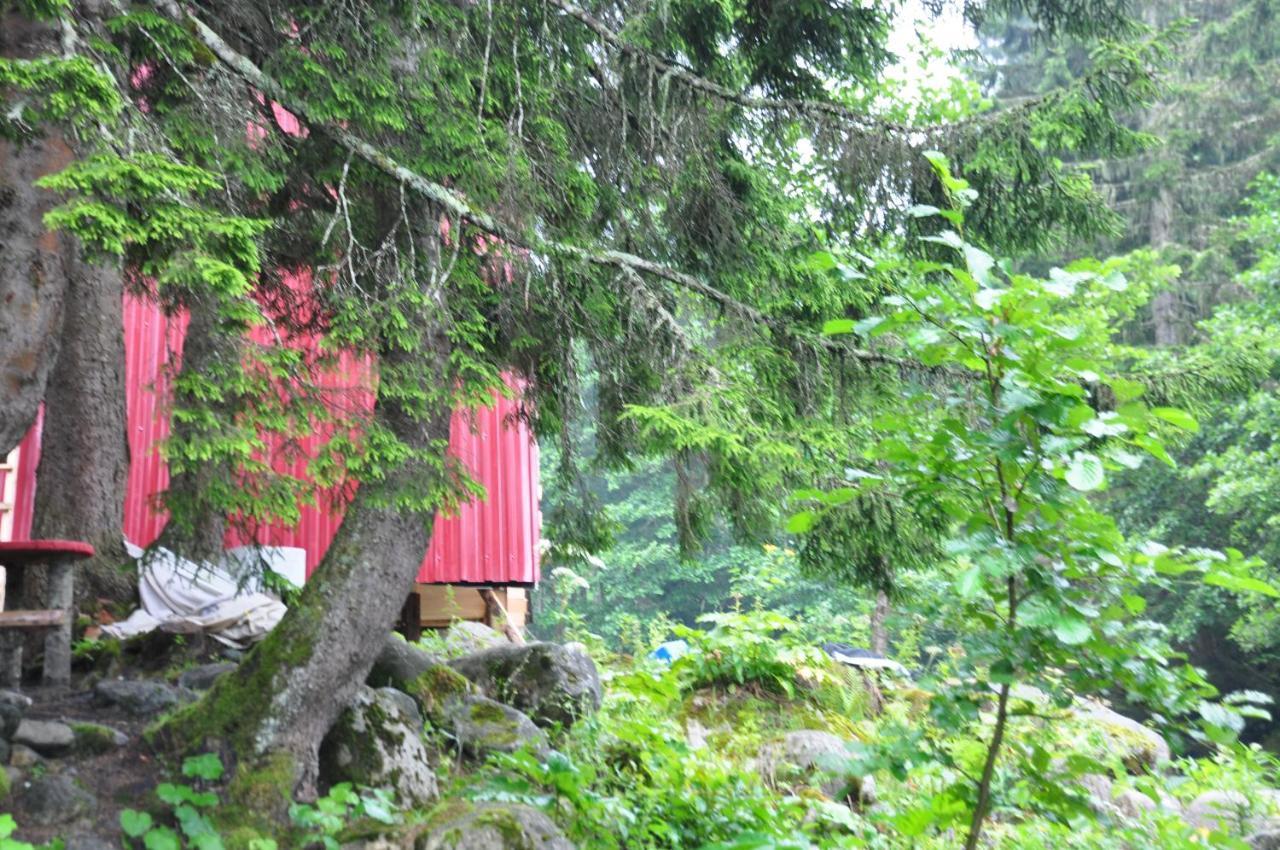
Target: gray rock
202,678
23,756
492,826
141,697
1141,749
1227,810
10,717
376,743
1098,788
22,701
5,748
399,663
54,799
89,841
549,682
407,704
1133,804
46,737
819,759
94,738
480,725
1266,840
466,637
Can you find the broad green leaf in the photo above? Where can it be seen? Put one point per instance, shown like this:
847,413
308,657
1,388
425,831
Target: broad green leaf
969,582
1177,418
835,327
1086,473
1241,584
801,522
1072,630
134,823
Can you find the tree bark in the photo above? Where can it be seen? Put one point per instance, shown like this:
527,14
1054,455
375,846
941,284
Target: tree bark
33,275
1165,313
274,711
84,459
879,630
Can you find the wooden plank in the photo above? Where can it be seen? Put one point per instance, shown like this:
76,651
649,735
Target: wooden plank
518,606
35,619
442,603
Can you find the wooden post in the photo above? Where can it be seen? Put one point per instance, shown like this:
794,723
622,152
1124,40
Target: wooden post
496,613
411,618
11,641
57,642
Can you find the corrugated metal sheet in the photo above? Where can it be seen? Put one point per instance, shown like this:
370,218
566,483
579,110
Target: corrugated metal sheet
493,541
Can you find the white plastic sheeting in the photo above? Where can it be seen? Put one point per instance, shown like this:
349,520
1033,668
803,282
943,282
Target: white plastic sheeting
220,600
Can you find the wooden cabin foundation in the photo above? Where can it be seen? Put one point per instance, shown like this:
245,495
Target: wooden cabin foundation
435,606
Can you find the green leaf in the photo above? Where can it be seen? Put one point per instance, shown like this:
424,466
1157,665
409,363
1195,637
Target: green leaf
1086,473
1072,630
969,582
162,838
1241,584
801,522
835,327
1177,418
134,823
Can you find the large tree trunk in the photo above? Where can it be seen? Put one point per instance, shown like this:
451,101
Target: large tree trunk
879,627
1166,315
275,709
84,458
33,274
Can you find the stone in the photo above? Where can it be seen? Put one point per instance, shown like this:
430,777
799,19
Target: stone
1098,788
375,743
466,638
549,682
10,717
54,799
5,748
23,756
1227,810
1266,840
818,759
90,841
1133,804
22,701
1141,749
480,726
435,689
406,703
399,663
202,678
47,737
141,697
94,738
492,826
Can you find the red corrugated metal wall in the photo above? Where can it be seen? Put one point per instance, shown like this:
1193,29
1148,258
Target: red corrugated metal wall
491,541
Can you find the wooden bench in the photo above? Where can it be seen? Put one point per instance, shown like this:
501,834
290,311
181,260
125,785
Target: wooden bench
58,557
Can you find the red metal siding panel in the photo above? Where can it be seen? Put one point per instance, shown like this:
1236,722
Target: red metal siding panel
493,540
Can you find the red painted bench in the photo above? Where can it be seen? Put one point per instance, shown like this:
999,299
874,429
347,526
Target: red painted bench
57,556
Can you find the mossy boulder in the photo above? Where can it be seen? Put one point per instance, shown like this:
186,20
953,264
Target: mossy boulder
818,760
481,725
4,784
93,738
436,688
399,663
376,743
1140,749
551,683
491,826
466,637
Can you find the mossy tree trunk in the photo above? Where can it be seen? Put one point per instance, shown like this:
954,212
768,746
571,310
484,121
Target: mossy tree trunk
274,711
33,273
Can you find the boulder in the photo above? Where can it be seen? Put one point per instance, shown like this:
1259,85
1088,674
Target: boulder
10,716
93,738
54,799
549,682
1266,840
492,826
202,678
466,637
407,704
1230,811
376,743
90,841
5,749
20,755
399,663
1133,804
480,726
819,759
1141,749
436,689
141,697
47,737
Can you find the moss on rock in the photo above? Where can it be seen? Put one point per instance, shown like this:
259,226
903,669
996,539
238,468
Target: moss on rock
436,687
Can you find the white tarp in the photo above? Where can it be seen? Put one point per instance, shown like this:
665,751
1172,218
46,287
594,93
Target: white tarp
183,597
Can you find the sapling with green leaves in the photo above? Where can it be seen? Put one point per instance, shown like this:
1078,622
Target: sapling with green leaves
1022,420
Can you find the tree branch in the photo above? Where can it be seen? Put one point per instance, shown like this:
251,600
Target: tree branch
457,206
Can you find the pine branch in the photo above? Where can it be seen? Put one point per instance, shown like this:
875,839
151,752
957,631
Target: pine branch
244,67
